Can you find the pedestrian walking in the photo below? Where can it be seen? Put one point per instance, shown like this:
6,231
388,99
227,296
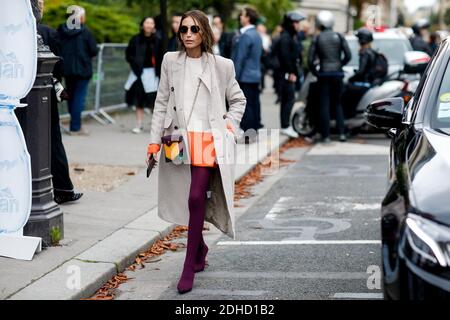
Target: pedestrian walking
435,41
420,41
196,174
301,37
63,189
247,61
217,35
275,63
328,53
173,42
225,40
266,43
288,54
78,47
144,54
364,76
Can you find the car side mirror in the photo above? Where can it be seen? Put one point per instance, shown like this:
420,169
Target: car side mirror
415,62
386,113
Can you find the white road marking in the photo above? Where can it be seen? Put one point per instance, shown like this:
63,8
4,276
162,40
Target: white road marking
348,149
295,242
366,206
283,275
276,220
341,207
211,292
357,295
278,207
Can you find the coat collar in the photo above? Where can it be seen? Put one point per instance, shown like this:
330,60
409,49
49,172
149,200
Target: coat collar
207,65
207,77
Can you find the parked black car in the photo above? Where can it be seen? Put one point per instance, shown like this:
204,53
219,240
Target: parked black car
415,220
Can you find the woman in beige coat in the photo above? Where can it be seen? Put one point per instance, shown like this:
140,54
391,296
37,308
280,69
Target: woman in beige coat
198,184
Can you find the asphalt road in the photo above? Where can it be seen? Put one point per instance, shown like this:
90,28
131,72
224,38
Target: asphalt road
312,231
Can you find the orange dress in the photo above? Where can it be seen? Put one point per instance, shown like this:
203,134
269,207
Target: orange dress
205,155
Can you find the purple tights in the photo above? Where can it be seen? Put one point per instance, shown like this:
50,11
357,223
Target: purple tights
196,247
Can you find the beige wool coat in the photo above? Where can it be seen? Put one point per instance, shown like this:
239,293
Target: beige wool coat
168,118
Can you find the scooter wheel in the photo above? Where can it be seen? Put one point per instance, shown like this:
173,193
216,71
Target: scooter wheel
300,123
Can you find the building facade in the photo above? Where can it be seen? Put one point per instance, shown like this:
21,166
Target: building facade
340,8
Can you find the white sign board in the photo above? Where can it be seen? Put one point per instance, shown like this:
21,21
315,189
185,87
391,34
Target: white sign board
18,62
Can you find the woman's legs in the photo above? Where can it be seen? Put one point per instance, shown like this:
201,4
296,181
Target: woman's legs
197,207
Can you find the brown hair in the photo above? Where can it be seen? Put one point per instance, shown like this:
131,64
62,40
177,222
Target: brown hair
252,14
205,30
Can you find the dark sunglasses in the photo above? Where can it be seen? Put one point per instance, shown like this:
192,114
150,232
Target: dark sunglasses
185,29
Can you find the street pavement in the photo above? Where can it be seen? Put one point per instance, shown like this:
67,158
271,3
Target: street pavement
125,213
312,231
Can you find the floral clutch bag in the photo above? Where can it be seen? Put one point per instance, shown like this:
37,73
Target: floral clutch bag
173,147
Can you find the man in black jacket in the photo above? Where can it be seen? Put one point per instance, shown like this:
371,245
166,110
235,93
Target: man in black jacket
363,77
420,29
63,188
78,47
367,57
287,50
328,53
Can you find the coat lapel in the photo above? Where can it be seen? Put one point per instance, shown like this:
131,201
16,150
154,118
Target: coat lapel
206,77
178,73
178,83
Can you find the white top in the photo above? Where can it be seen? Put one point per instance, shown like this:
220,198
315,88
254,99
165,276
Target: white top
199,120
266,41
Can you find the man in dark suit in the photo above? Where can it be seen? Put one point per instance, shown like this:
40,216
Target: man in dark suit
246,56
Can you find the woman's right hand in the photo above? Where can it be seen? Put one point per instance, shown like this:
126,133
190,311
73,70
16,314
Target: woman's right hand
152,149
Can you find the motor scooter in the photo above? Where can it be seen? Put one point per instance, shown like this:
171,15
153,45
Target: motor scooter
403,83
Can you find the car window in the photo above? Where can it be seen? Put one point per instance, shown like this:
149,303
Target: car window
412,107
441,114
393,49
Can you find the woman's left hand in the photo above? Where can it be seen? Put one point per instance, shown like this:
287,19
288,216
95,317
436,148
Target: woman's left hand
230,126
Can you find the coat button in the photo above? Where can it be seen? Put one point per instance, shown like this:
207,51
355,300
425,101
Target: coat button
175,127
172,89
224,116
175,108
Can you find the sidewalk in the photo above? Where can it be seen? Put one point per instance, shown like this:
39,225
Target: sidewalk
104,231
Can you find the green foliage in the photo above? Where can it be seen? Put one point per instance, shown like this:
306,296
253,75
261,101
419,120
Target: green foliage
272,10
447,17
357,23
117,20
224,7
55,235
108,23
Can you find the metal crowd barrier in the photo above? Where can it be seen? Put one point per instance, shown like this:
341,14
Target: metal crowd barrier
106,92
